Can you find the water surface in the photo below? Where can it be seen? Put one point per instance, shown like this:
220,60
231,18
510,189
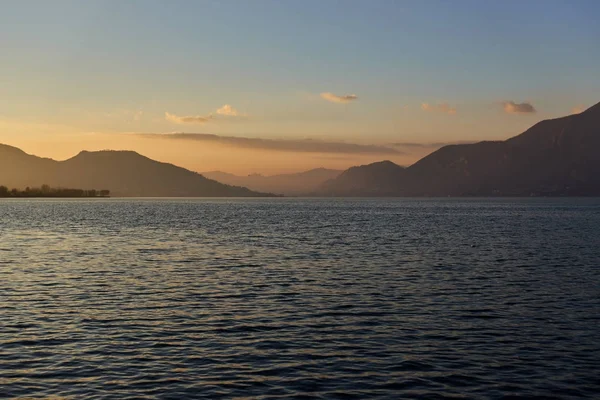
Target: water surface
395,298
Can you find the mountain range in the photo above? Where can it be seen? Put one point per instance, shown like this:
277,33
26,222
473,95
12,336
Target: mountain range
554,157
296,184
124,173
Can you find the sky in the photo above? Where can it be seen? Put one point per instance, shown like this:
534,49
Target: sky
282,86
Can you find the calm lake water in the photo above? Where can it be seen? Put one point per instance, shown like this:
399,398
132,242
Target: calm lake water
287,298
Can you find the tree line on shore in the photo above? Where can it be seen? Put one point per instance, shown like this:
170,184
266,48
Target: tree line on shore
47,191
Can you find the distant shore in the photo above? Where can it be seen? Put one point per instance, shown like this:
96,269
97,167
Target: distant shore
47,191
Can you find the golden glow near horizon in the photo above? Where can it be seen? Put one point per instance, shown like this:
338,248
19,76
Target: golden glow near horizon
227,150
235,141
204,156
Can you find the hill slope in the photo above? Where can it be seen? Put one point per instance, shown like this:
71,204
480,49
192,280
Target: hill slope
553,157
124,173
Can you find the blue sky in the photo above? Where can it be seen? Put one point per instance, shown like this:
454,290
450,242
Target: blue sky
119,66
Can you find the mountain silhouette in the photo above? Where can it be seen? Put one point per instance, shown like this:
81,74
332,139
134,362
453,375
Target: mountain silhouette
124,173
288,184
553,157
378,179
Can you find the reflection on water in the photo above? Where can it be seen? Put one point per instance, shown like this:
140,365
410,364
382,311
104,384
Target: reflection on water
283,298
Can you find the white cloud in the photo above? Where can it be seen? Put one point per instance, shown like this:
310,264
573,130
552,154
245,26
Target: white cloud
338,99
228,111
187,119
443,108
511,107
225,111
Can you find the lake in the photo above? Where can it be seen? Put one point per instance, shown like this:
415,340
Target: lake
300,298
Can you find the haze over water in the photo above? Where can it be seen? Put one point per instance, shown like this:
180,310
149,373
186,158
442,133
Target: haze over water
272,298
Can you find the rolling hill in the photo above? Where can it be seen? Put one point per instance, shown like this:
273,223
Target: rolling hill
124,173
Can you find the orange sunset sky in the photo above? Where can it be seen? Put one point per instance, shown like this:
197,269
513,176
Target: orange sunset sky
273,86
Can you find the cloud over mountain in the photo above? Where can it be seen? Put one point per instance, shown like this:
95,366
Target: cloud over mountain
511,107
432,145
287,145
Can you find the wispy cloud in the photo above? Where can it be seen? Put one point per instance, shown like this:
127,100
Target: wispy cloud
229,111
443,108
578,109
225,111
433,145
334,98
285,145
187,119
511,107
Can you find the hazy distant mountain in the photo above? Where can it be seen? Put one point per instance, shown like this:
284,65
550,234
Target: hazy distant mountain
554,157
287,184
124,173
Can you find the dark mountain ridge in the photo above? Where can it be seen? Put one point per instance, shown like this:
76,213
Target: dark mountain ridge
553,157
124,173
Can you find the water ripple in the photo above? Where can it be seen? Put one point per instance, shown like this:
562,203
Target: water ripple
283,298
